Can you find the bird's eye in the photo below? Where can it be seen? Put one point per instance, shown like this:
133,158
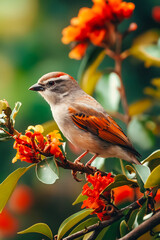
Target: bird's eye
50,83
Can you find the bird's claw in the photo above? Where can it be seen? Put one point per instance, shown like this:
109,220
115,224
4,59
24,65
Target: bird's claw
94,169
78,162
74,174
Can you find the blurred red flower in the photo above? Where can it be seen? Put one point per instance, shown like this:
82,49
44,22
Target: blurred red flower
156,13
95,200
22,199
157,197
33,144
123,194
95,25
8,224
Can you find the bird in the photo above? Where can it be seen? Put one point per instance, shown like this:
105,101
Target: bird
83,120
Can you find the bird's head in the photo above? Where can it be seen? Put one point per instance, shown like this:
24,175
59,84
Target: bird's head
55,86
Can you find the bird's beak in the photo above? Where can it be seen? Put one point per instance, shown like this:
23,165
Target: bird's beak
37,87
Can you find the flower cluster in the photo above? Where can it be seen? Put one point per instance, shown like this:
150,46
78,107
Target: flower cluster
31,146
95,25
97,199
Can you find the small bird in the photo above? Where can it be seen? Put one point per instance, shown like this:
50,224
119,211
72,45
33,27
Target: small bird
82,120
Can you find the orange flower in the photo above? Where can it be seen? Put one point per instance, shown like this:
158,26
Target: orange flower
78,51
25,150
92,25
33,144
123,194
95,200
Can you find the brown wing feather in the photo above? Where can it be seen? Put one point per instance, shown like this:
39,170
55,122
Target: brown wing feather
102,126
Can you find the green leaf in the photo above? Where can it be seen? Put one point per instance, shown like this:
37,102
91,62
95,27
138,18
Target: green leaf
87,236
107,92
154,178
112,232
153,160
154,163
153,156
84,225
123,228
39,228
8,185
147,48
120,180
15,111
90,56
131,171
140,135
91,75
102,233
142,173
132,218
98,163
79,199
47,171
142,213
71,221
63,148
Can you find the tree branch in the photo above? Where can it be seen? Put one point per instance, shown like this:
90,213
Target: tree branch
79,167
143,228
100,225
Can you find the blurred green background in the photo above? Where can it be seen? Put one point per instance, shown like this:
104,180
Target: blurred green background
30,46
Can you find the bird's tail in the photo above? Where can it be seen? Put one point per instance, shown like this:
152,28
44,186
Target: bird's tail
135,160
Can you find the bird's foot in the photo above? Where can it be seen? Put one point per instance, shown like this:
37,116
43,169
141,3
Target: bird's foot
78,160
94,169
74,174
88,164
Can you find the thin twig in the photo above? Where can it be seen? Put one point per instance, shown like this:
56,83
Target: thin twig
118,69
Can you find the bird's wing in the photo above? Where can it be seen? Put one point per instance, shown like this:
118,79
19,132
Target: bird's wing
100,125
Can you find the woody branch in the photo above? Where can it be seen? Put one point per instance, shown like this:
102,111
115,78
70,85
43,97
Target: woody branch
100,225
144,227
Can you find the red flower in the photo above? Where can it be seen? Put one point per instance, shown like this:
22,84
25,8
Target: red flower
8,224
95,200
156,13
33,144
92,25
21,199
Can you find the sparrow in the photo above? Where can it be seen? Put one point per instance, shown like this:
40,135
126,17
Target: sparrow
82,120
